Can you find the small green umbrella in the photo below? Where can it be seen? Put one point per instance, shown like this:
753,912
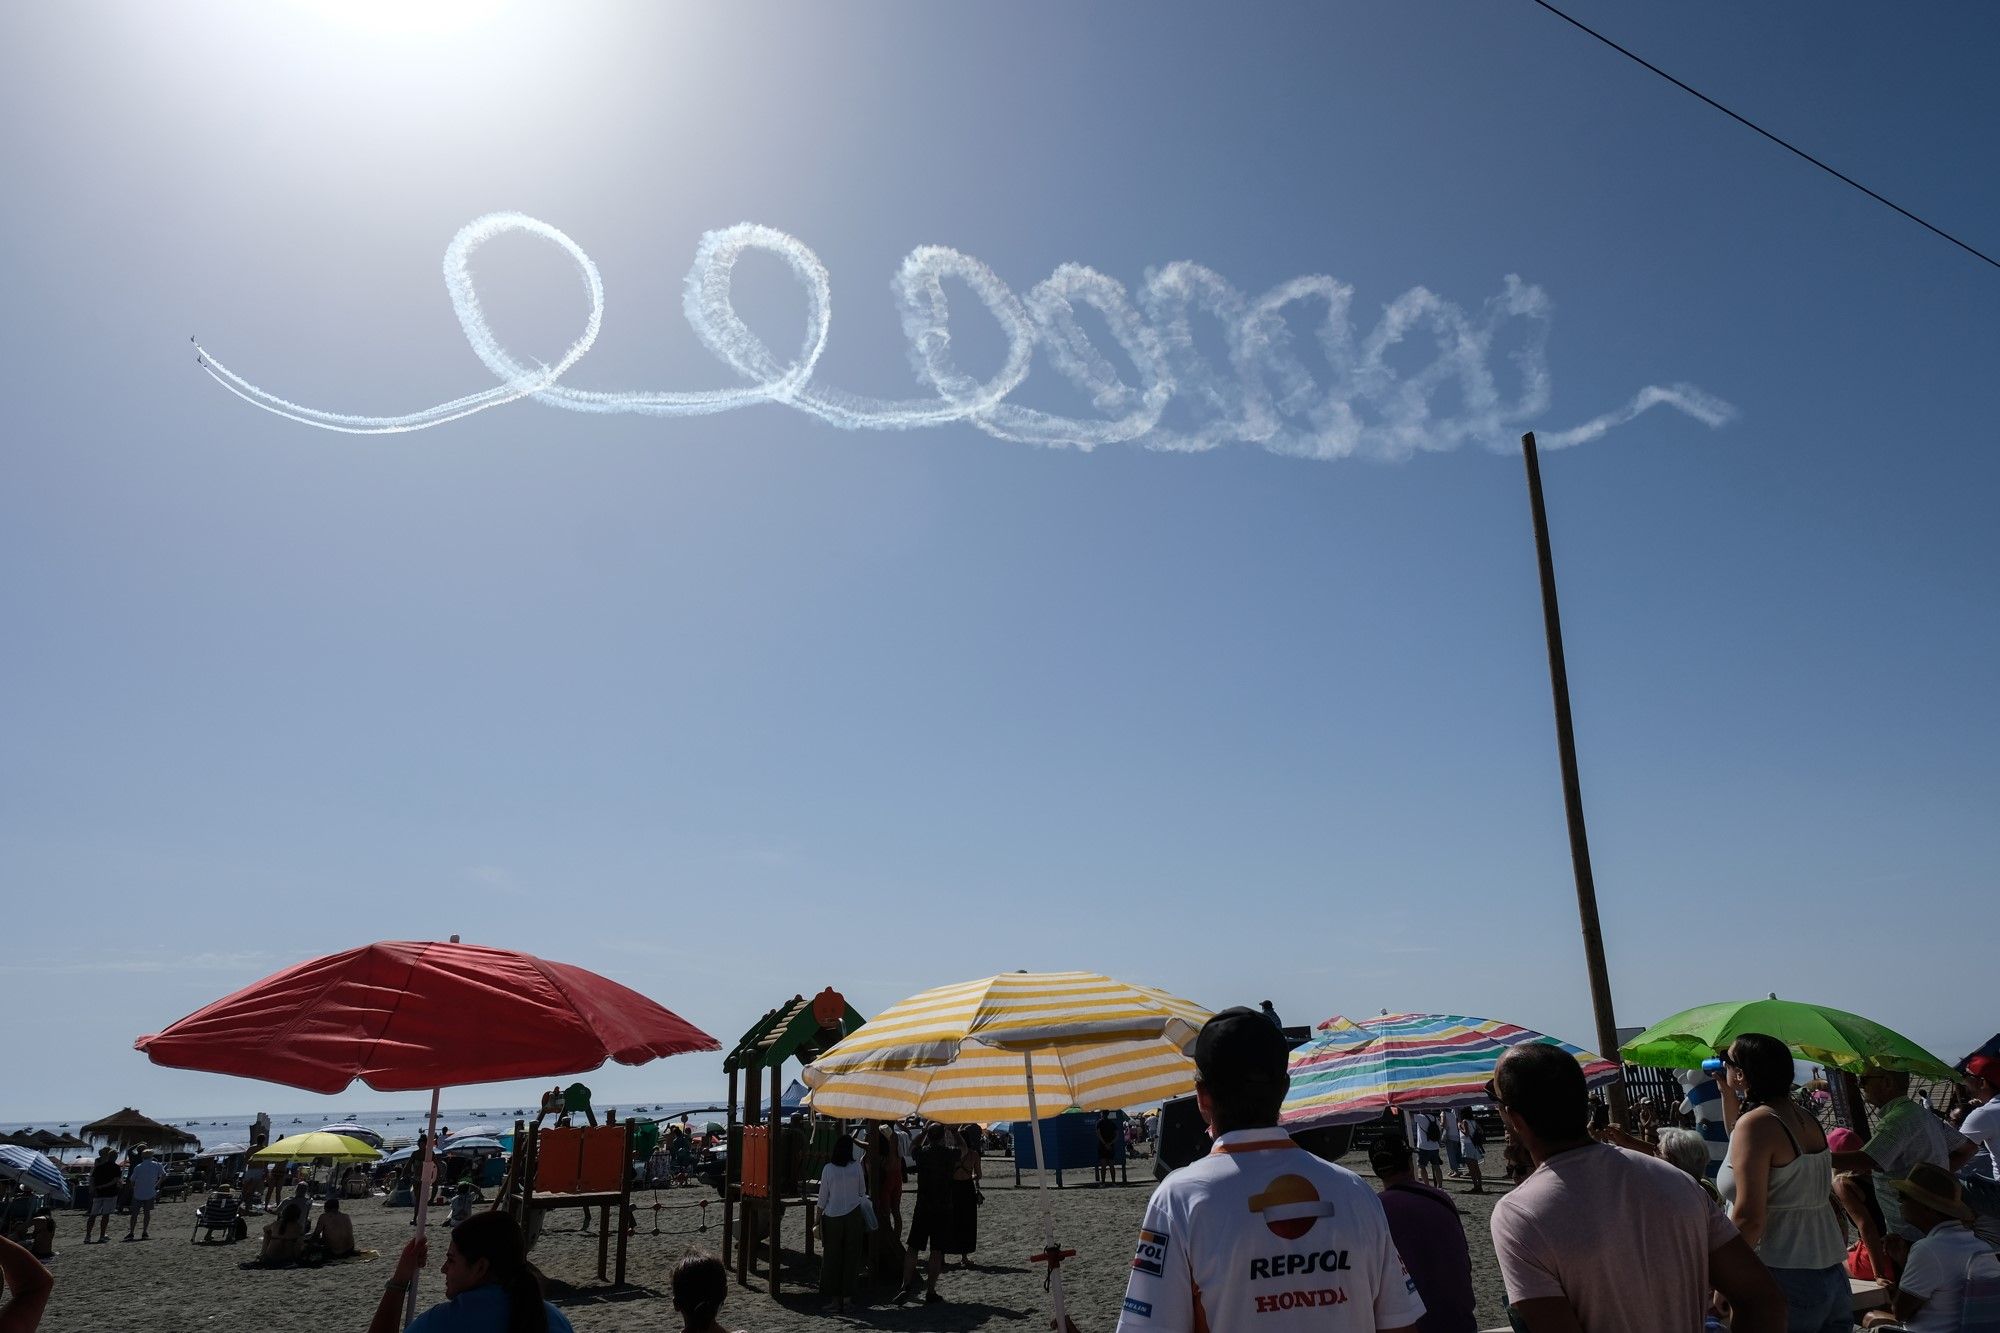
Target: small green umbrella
1815,1032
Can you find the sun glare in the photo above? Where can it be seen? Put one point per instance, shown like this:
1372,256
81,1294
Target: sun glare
404,18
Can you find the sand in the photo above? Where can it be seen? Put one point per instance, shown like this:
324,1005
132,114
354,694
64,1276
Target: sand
169,1283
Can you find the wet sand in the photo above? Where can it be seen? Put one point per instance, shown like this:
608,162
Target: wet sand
169,1283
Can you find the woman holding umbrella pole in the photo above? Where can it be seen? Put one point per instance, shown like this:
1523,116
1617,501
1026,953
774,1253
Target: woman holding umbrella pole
489,1285
1778,1182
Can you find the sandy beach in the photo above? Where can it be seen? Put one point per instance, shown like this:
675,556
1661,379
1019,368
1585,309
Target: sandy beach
170,1283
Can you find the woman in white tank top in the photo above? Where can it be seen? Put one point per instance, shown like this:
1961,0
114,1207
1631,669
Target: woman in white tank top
1778,1183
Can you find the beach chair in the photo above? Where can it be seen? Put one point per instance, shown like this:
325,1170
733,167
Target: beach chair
223,1212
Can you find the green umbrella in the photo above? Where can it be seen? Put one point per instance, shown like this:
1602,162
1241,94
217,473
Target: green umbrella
1814,1032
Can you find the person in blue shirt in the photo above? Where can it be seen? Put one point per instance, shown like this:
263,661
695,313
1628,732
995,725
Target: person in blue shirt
489,1285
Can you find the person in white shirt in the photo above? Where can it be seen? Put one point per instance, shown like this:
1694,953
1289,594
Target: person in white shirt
1260,1236
1978,1160
1448,1124
1424,1138
145,1179
843,1225
1946,1261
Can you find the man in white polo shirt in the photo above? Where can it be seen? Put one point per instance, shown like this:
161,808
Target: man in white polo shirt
1260,1236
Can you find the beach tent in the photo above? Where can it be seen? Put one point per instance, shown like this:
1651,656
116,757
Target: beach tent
1001,1047
128,1128
403,1015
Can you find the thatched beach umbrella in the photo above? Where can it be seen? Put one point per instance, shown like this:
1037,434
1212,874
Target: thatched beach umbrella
128,1127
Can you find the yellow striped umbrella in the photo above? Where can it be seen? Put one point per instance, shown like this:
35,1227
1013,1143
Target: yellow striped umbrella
958,1054
1002,1047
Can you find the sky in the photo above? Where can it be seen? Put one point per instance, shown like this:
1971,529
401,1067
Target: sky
738,706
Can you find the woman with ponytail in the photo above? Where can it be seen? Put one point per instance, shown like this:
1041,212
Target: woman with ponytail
699,1283
489,1285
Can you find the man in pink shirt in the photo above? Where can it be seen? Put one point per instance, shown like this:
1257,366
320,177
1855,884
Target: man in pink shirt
1601,1240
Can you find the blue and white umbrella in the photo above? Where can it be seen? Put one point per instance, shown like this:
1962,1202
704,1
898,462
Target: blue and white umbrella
472,1143
34,1171
371,1137
400,1155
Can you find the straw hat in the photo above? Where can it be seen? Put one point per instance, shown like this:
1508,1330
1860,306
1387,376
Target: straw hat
1935,1188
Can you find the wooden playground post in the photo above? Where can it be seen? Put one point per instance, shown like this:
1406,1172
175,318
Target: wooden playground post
728,1200
771,1146
750,1111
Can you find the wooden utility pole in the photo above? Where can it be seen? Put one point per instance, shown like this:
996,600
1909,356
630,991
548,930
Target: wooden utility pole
1579,843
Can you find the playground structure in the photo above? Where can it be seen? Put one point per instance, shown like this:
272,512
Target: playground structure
572,1166
773,1166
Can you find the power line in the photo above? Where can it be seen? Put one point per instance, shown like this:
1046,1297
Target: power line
1789,147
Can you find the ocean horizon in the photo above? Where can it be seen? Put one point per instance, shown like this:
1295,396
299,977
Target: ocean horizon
390,1122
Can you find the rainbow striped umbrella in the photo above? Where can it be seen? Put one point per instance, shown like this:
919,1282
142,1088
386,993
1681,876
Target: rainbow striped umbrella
1351,1072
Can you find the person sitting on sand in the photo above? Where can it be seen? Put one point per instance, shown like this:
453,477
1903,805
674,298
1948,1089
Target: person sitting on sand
29,1285
334,1232
285,1233
489,1285
699,1284
462,1200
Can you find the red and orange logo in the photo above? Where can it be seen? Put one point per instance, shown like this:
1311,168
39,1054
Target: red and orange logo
1290,1206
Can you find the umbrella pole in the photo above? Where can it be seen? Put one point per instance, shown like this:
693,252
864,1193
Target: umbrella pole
425,1175
1053,1255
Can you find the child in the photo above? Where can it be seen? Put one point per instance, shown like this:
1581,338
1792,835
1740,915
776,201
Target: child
461,1202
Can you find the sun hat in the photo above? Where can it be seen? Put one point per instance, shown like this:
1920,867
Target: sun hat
1935,1188
1239,1046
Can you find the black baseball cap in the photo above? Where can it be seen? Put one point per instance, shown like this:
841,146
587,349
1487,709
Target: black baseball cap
1241,1046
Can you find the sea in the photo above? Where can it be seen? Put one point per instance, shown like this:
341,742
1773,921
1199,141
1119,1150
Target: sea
398,1127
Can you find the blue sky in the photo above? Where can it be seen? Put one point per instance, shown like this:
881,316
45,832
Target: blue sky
739,706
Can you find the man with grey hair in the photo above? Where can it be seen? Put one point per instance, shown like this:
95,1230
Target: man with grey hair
1688,1150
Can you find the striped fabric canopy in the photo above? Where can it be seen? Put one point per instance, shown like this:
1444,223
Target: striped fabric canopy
959,1054
1350,1072
34,1171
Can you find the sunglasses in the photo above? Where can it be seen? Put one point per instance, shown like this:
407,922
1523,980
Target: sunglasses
1493,1094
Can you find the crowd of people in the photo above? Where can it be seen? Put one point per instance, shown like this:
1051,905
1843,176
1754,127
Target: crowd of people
1600,1232
1601,1229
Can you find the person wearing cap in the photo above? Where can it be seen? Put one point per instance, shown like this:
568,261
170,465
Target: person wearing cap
1946,1260
1424,1223
1905,1135
1598,1239
1978,1160
1260,1234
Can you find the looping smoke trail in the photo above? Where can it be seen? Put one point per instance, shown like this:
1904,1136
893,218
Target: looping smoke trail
1347,399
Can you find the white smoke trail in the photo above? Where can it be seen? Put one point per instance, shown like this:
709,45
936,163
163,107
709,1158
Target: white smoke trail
1352,400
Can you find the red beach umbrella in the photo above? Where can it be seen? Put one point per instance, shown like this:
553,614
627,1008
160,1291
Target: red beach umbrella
404,1015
